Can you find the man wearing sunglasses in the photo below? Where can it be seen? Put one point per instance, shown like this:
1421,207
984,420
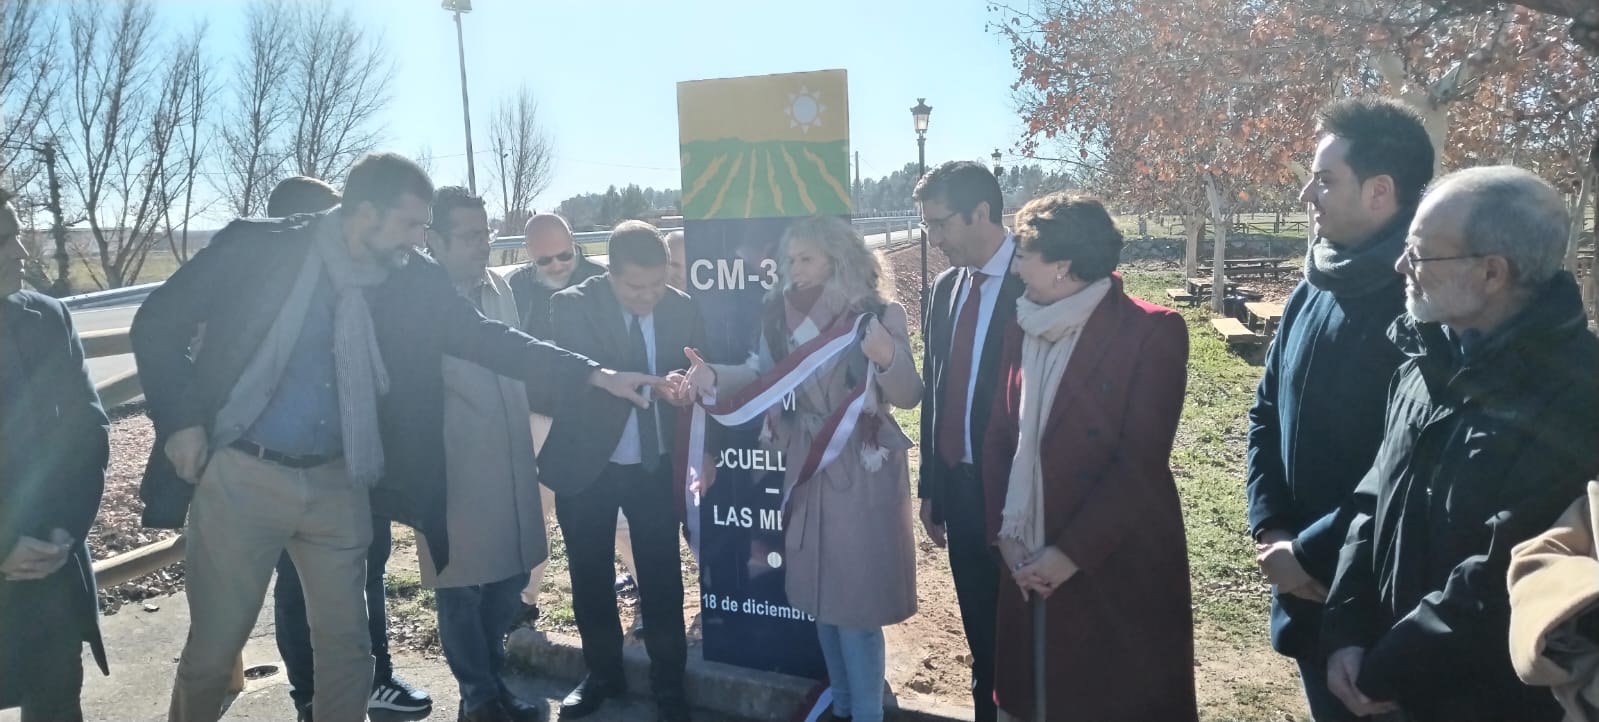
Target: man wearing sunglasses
554,262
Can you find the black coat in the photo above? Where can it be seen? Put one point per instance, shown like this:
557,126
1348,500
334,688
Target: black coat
1313,431
938,334
235,287
533,298
588,319
1481,452
52,461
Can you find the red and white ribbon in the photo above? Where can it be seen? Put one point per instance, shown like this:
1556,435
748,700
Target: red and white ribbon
768,390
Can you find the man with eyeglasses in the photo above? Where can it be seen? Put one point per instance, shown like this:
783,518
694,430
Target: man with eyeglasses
491,482
964,324
1490,433
554,263
1318,412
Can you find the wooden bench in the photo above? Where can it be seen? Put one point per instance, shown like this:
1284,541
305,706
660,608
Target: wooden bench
1264,316
1180,295
1234,332
1252,268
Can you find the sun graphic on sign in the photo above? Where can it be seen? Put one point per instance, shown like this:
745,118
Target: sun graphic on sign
805,109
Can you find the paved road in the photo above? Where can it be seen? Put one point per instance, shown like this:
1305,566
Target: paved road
143,647
101,319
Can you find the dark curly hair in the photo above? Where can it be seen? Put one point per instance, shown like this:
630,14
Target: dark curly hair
1065,227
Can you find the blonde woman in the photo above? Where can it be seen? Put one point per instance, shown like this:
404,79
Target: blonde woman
849,555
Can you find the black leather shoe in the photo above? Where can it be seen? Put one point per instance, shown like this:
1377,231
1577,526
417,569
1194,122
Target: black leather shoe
589,694
491,712
517,710
672,709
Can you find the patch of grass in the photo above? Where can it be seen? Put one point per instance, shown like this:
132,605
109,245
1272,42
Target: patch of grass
1208,462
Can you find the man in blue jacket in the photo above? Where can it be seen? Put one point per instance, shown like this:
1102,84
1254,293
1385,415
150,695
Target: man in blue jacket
53,451
1318,414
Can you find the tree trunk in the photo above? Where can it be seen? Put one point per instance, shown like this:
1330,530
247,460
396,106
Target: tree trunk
1579,209
1218,265
58,227
1194,225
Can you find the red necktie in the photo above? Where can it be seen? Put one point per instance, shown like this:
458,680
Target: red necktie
958,377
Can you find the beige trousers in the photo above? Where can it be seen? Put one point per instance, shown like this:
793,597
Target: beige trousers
245,513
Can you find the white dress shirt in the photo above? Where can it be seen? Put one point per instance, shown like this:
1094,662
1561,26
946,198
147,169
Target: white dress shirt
994,271
627,449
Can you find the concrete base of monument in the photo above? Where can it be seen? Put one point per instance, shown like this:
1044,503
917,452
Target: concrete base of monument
737,693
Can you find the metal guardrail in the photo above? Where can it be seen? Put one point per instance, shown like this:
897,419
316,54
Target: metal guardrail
125,296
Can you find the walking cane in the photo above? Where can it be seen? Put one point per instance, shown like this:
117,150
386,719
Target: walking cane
1040,646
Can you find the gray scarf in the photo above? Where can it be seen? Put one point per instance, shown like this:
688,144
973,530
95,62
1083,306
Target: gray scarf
357,363
1358,270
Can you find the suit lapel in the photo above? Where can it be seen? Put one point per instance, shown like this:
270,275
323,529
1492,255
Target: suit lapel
611,324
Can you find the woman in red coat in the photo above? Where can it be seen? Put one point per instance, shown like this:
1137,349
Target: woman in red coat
1081,502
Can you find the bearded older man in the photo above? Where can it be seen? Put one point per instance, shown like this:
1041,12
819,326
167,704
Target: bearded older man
1491,431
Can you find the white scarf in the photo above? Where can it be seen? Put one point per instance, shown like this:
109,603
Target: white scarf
1051,334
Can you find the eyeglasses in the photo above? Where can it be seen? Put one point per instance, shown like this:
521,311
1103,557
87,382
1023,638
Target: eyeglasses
563,257
1416,260
937,223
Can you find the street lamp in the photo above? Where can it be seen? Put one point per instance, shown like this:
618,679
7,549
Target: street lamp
461,7
919,115
996,156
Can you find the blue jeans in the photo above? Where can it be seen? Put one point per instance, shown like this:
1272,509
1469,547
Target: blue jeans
294,631
473,622
1324,705
855,662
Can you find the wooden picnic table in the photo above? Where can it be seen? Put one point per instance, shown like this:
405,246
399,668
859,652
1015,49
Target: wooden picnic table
1264,315
1255,267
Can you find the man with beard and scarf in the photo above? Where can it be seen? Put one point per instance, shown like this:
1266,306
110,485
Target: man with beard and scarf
283,421
1490,433
1317,418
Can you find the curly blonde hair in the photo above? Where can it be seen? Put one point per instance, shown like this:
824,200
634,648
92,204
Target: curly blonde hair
857,270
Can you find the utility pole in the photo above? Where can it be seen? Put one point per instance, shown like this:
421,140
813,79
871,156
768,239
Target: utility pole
857,182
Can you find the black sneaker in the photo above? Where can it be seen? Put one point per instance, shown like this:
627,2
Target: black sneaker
625,584
397,695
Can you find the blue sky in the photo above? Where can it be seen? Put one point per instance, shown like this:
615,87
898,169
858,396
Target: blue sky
605,74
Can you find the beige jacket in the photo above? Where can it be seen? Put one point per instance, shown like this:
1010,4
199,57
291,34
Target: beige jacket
495,513
1554,579
849,546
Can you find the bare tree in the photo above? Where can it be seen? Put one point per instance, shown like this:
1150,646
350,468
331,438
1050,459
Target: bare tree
121,127
424,159
27,84
339,85
522,155
190,90
253,148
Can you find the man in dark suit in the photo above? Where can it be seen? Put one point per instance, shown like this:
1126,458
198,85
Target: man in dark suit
284,419
52,471
964,325
554,263
613,457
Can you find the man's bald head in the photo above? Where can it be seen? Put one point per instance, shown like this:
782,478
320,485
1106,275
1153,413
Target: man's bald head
550,248
677,266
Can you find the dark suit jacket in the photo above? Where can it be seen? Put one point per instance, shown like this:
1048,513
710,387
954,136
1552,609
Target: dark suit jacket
533,298
938,334
52,460
235,287
588,319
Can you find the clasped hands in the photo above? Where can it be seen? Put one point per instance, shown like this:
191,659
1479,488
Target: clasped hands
1041,572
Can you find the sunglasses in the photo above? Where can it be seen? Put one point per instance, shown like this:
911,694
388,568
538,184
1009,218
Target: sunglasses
563,257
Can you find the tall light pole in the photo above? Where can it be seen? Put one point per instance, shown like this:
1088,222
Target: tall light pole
919,115
461,7
996,156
